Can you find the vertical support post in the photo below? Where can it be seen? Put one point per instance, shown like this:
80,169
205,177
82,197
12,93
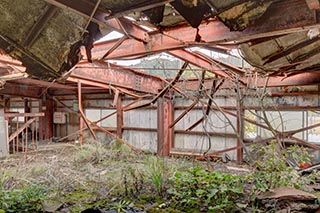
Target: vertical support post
26,108
25,133
17,138
81,121
119,116
41,122
240,129
6,105
49,118
165,133
7,109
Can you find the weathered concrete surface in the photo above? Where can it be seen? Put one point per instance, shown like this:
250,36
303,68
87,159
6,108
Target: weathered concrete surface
4,150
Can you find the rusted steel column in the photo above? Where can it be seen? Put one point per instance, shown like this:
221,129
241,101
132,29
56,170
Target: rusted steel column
119,116
240,129
49,118
41,122
165,133
81,121
6,104
81,125
26,108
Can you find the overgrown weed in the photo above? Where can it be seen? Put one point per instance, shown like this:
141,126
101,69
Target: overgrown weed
96,174
273,168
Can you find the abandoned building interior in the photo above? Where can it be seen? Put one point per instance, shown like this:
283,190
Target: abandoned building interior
237,72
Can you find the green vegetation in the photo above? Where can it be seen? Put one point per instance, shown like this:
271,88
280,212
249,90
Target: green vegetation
75,178
207,191
273,170
22,199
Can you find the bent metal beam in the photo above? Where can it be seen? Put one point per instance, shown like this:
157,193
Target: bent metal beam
287,16
113,75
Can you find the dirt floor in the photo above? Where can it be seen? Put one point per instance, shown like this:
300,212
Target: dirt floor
81,177
93,177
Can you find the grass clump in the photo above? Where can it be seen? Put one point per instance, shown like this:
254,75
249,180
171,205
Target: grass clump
156,167
90,153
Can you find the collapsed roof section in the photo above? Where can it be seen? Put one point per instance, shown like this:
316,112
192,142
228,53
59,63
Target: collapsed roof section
39,34
47,37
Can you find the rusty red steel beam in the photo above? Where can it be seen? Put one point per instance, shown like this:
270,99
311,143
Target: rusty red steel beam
282,135
217,134
199,61
293,132
14,89
97,121
195,102
211,154
199,155
301,79
113,75
222,64
116,138
164,91
82,113
307,78
192,58
31,114
286,17
102,85
39,83
305,143
11,62
288,134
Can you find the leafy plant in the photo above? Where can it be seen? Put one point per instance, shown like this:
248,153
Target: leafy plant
299,154
121,206
27,199
207,191
273,169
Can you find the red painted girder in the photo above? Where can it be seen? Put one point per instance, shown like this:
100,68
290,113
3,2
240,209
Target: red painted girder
196,60
113,75
308,78
43,84
21,90
31,114
285,17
